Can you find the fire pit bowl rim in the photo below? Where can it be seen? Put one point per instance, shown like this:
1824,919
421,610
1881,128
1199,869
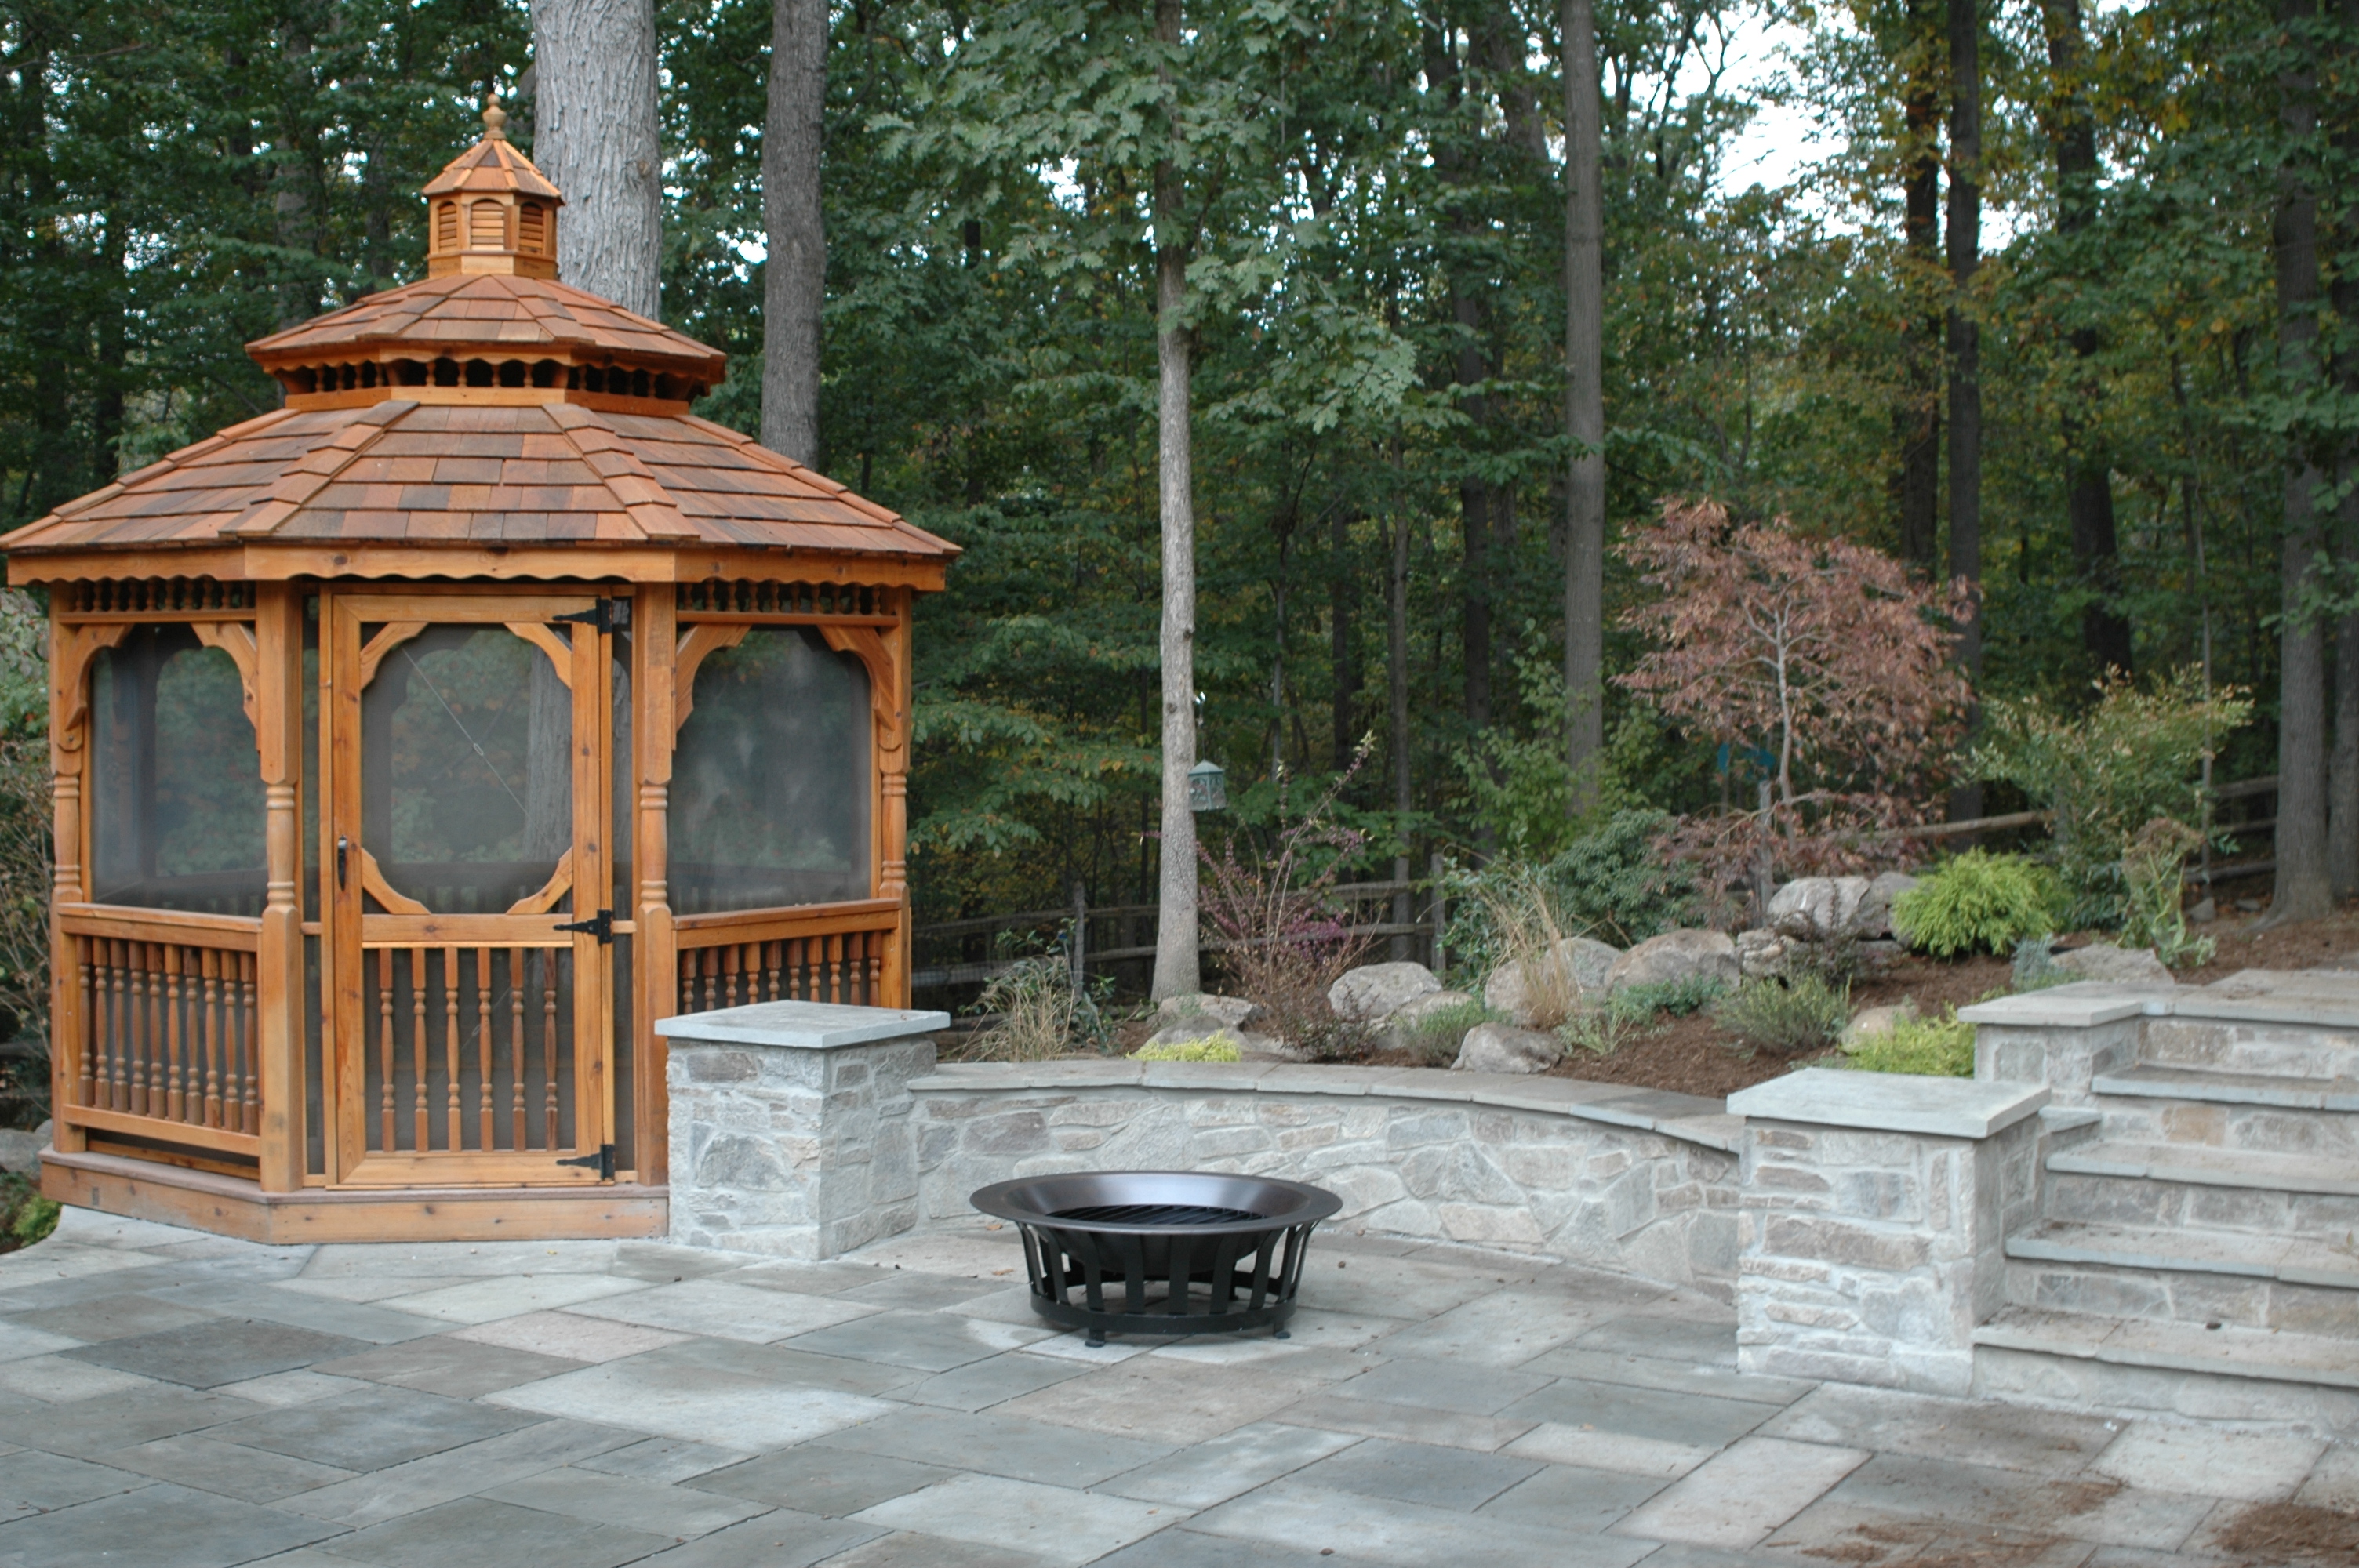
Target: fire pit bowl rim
1036,1200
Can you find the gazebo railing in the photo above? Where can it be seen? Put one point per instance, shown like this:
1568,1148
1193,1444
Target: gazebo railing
832,953
165,1046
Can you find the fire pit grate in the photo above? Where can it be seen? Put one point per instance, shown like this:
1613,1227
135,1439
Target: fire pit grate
1161,1252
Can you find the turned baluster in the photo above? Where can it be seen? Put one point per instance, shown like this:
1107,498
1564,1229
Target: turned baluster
94,990
208,965
246,1027
549,1041
419,1042
385,1035
515,1045
483,1040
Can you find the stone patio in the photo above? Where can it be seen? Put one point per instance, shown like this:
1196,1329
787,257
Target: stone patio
173,1398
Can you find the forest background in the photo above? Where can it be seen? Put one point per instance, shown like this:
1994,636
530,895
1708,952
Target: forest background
1377,307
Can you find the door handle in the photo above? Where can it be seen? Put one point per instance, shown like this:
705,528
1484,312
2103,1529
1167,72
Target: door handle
344,847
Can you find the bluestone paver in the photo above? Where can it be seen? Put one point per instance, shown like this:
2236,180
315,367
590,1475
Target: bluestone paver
610,1402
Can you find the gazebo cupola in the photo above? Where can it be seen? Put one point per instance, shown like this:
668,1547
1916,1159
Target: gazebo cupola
421,743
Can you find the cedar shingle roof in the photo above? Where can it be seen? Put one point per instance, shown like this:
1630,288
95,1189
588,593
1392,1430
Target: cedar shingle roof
425,473
492,164
498,315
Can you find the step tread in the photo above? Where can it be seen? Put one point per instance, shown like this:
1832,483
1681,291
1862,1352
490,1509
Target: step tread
2175,1347
2209,1087
2291,1260
2200,1164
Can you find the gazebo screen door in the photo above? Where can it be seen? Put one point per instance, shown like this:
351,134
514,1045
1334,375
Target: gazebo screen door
464,865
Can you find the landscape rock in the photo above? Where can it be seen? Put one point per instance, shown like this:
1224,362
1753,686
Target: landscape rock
1675,957
1373,992
1251,1047
1503,1048
1873,1022
1579,964
1873,917
20,1152
2121,966
1760,952
2205,912
1815,908
1235,1011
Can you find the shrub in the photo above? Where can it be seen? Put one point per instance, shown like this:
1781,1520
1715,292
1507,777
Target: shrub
1977,902
2131,757
1436,1036
1205,1050
1281,937
1679,998
1520,916
1803,1013
1040,1014
1602,1030
26,1217
2034,964
1612,882
1938,1047
2153,872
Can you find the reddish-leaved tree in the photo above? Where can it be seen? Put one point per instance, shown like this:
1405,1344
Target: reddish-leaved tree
1821,653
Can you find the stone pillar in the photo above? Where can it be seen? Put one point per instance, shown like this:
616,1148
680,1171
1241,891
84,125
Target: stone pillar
1873,1212
2065,1037
790,1125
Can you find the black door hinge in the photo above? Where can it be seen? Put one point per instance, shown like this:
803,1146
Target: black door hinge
602,1161
607,615
601,925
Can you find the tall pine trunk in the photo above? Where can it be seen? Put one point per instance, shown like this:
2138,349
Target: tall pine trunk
2304,884
1397,684
794,277
1176,971
1965,347
2342,770
1918,423
2088,475
595,135
1584,405
1343,640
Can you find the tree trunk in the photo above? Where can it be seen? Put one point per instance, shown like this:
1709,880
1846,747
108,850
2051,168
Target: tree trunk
594,136
1342,626
2088,475
2304,885
1404,746
1584,405
794,278
291,183
1965,349
1918,423
2342,771
1177,972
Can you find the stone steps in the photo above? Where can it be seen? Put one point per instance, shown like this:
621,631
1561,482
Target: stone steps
2188,1277
2109,1182
2283,1048
2256,1112
2087,1361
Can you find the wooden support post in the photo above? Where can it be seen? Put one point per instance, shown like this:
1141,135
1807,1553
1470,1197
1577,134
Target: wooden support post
654,727
278,736
1440,922
69,748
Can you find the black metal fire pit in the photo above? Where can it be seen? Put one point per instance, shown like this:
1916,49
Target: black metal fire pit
1161,1252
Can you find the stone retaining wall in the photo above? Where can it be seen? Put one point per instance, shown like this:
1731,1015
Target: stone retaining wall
1631,1180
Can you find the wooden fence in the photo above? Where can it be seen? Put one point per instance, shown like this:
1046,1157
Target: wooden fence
1411,917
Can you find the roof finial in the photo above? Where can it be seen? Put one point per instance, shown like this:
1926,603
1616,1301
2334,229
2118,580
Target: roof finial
494,119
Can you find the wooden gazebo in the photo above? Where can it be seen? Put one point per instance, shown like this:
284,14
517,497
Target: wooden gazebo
421,744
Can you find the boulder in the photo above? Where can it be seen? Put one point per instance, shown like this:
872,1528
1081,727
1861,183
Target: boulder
2205,912
1760,952
1815,908
1675,957
1503,1048
1250,1048
1871,1022
1373,992
1235,1011
1874,917
20,1152
1579,964
2121,966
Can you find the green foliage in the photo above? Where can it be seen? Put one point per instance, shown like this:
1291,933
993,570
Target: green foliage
2153,872
1976,903
1941,1047
1803,1013
2034,968
1610,883
26,1217
1436,1036
1205,1050
2133,756
1677,997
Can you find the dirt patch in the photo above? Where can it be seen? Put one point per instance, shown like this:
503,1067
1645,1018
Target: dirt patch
2292,1532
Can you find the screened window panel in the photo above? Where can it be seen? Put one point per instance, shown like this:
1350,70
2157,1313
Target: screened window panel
771,777
467,768
176,779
